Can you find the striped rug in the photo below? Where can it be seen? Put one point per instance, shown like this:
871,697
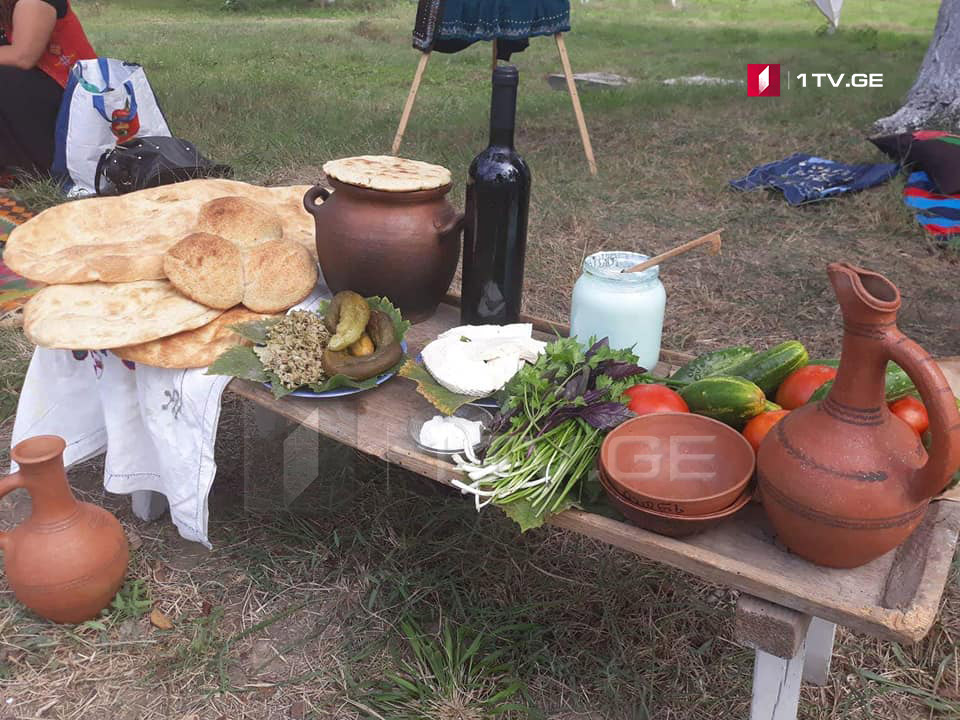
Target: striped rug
14,290
938,214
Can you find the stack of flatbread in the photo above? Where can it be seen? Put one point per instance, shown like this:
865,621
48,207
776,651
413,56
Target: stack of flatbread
159,275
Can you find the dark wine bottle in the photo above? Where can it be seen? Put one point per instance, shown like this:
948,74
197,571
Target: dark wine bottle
495,228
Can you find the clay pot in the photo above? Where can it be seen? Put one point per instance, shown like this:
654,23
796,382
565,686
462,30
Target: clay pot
68,559
844,480
402,245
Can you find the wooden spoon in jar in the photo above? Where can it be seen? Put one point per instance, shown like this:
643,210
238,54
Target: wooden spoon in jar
712,238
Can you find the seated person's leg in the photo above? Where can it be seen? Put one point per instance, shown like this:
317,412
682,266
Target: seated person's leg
29,103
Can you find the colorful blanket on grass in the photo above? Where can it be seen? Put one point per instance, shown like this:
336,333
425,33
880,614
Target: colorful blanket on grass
806,178
937,213
14,290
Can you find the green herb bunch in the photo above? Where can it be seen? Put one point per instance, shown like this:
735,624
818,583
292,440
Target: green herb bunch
546,438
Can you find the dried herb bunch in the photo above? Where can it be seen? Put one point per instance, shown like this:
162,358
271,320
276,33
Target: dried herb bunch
294,349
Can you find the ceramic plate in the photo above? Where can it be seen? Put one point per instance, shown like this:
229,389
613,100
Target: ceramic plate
344,391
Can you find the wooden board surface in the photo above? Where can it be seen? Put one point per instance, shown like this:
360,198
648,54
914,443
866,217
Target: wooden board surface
740,553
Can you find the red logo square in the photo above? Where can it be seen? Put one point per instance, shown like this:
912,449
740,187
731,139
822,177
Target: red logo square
763,80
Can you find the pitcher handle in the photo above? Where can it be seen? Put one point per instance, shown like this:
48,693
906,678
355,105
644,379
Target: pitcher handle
310,199
8,485
937,396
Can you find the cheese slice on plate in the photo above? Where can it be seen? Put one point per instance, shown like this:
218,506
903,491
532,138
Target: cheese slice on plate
478,360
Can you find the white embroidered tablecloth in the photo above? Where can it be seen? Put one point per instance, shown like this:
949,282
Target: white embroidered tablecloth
157,426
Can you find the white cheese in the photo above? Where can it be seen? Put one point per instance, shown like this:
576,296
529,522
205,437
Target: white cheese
450,433
478,360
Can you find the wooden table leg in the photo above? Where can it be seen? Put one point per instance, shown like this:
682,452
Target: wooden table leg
148,505
776,686
816,667
408,106
780,636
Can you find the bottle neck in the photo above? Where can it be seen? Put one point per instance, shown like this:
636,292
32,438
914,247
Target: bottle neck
503,113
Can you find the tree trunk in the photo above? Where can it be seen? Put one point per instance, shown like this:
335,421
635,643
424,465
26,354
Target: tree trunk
934,98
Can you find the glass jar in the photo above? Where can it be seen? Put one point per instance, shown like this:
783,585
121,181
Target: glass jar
627,308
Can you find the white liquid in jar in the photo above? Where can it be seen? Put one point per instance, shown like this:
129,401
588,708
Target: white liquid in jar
627,308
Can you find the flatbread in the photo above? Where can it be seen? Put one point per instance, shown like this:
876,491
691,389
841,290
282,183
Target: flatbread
192,348
123,238
388,173
244,222
277,275
94,316
208,269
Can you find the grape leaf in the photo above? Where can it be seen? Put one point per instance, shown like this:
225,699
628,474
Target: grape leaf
522,513
241,362
442,399
256,331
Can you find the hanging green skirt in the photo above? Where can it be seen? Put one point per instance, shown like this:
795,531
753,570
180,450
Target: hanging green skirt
451,25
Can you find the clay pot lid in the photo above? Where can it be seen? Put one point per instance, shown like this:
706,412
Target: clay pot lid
694,462
387,173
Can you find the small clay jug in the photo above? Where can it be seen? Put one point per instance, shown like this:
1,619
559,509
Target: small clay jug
68,559
400,245
844,480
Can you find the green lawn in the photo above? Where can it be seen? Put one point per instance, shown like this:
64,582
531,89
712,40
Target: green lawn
302,615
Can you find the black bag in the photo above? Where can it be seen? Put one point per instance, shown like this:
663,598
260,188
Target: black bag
151,161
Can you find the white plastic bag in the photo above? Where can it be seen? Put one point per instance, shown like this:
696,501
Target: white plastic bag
106,102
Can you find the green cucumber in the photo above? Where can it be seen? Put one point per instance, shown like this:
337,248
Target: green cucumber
771,406
731,400
770,368
712,363
898,385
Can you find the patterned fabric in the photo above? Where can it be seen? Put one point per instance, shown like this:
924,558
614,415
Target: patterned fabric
449,26
511,19
13,211
805,178
157,426
935,153
937,213
14,290
425,26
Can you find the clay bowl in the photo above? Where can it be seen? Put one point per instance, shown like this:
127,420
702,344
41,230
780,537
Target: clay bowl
676,526
678,463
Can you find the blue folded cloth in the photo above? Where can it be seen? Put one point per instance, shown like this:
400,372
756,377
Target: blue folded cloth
806,178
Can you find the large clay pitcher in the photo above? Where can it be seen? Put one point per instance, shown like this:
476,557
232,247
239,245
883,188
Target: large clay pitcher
844,480
68,559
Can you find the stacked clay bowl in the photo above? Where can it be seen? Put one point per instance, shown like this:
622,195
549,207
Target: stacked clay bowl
676,474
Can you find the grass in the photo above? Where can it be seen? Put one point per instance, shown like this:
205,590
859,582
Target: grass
279,89
303,614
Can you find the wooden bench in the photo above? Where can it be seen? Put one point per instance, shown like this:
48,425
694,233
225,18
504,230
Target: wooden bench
788,609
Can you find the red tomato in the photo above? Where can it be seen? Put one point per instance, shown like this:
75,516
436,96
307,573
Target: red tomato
802,383
912,412
757,429
646,399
